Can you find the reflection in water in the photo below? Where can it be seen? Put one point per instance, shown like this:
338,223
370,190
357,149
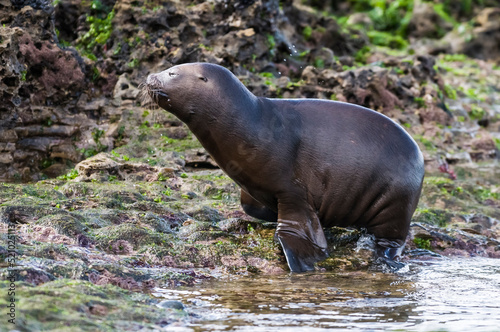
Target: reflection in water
444,295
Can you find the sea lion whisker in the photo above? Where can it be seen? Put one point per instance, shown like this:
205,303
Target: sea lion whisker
147,98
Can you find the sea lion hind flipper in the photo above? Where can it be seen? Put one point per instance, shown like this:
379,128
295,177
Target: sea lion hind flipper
303,241
389,248
387,251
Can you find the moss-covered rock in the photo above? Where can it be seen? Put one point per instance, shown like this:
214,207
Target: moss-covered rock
65,224
82,306
134,234
153,209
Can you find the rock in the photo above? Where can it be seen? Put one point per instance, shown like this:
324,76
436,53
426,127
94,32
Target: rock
7,147
199,158
205,213
100,163
484,221
483,143
6,158
33,275
65,152
137,236
36,75
171,304
460,157
234,225
8,135
425,22
87,105
38,130
481,41
64,224
362,19
158,223
55,170
200,231
309,75
124,89
242,226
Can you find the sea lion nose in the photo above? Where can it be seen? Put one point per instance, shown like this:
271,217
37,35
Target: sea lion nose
153,80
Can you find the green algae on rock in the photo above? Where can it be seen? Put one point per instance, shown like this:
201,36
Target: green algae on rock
152,209
83,306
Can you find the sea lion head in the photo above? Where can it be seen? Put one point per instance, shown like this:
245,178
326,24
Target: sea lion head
193,89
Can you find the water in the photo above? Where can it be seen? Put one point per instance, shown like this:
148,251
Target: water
442,295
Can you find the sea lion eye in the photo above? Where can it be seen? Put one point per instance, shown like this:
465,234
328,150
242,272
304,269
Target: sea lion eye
203,78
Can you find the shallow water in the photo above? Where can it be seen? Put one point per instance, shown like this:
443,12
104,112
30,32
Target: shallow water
440,295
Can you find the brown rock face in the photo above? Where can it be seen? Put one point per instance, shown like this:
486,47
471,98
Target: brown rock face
425,22
57,71
486,36
39,81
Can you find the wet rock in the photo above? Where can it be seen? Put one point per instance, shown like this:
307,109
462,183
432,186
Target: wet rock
264,266
107,277
171,304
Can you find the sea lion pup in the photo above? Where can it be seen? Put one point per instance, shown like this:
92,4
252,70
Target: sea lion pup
305,163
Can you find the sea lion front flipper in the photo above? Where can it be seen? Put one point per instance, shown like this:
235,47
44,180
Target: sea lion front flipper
256,209
302,238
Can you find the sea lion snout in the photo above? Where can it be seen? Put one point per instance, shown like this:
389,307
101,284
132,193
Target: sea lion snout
153,81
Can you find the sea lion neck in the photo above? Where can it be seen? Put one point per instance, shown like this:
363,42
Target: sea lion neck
224,118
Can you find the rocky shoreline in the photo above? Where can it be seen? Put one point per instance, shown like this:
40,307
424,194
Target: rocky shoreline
109,198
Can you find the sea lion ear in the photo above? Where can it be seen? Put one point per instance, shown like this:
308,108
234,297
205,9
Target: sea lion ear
203,78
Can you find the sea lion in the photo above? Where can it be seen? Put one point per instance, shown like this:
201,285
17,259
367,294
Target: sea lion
305,163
